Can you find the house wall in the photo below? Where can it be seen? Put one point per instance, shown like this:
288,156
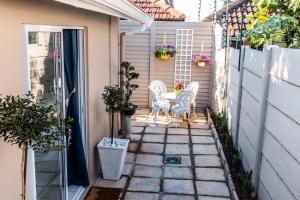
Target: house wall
139,51
102,36
265,120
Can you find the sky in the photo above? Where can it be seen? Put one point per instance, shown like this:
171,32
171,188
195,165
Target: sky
190,8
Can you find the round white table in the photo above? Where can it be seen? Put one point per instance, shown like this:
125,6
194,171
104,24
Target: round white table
169,95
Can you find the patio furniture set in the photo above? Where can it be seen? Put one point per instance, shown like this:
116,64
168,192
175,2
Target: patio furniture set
183,101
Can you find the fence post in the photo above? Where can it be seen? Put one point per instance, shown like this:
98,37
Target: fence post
262,117
238,110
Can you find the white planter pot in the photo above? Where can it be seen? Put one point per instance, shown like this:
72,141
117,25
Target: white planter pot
201,64
112,157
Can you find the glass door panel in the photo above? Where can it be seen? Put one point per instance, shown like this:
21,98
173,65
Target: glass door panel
44,50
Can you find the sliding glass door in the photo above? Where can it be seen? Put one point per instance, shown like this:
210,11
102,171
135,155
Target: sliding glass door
47,81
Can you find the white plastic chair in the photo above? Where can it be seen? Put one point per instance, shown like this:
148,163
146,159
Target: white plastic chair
193,87
159,104
183,104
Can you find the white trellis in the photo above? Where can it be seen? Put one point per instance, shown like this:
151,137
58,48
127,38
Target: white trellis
183,58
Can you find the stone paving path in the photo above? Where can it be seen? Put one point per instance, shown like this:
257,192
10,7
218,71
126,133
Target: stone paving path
200,175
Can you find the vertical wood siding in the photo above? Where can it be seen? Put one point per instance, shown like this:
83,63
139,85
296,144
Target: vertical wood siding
139,50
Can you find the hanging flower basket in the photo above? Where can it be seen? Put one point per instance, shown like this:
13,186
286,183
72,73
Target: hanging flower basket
165,52
201,60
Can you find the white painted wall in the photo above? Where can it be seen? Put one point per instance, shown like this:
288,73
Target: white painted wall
279,166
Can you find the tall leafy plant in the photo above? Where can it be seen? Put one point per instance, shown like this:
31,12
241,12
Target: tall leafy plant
128,87
273,20
112,97
28,123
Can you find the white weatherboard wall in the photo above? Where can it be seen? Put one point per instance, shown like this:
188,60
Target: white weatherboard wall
139,51
278,157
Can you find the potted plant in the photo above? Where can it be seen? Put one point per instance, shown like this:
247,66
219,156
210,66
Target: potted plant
165,52
178,87
112,151
201,60
127,109
28,123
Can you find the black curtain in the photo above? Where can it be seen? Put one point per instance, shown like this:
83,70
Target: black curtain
77,169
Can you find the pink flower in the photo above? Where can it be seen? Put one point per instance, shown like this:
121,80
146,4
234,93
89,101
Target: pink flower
201,58
179,86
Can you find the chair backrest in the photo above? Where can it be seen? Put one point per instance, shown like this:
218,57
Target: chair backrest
158,87
185,98
193,87
152,95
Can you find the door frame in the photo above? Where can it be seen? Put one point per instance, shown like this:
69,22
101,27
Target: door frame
31,179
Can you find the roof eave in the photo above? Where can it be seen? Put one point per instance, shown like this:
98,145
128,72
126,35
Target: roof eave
117,8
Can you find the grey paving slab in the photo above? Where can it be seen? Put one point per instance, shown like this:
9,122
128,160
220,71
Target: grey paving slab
203,139
133,146
177,197
129,157
138,123
144,184
211,174
199,125
177,139
152,148
135,137
127,169
201,132
211,188
178,186
153,160
178,172
147,171
135,129
154,138
178,131
158,130
212,198
207,161
177,149
185,161
141,196
205,149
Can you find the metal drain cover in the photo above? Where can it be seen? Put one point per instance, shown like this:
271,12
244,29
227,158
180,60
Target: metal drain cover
170,159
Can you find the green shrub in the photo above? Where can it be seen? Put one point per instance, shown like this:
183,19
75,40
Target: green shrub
247,185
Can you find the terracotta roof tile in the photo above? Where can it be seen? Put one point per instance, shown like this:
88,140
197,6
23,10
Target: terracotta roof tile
159,10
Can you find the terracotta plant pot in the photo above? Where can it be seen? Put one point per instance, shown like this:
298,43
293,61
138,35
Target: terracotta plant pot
201,64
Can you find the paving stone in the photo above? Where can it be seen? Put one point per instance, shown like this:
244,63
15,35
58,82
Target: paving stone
154,138
129,157
178,186
212,188
147,171
158,130
135,123
141,196
135,129
177,139
212,198
207,161
177,149
153,160
152,148
178,172
144,184
132,147
203,140
111,184
199,125
205,149
178,131
127,169
201,132
135,137
210,174
177,197
185,162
